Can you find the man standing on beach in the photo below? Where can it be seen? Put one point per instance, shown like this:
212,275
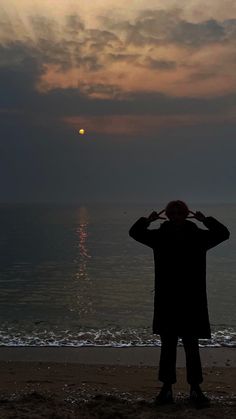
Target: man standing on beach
180,304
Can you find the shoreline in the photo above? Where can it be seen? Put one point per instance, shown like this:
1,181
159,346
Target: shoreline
133,356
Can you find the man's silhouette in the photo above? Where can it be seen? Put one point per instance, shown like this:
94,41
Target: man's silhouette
180,304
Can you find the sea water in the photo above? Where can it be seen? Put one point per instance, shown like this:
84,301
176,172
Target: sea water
70,275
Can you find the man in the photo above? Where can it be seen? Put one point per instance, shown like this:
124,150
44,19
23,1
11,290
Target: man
180,303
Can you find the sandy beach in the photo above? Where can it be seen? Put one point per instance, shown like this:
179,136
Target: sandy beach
108,383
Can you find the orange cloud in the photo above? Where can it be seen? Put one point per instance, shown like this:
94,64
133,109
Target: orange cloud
129,125
160,49
126,78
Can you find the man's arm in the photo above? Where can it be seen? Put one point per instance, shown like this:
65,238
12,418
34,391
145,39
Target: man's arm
216,232
139,231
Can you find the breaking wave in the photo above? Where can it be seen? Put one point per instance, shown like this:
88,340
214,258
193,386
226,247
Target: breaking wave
112,337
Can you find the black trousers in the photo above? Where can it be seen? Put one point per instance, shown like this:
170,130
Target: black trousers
167,366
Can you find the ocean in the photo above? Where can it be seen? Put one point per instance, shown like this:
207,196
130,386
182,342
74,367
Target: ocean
70,275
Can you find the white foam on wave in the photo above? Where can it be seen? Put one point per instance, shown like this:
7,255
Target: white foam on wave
224,337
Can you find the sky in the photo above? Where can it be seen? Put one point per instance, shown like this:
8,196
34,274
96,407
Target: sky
152,83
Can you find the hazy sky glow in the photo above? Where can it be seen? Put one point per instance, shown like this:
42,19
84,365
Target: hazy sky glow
154,87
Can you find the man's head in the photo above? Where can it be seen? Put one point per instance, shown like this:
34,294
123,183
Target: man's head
177,211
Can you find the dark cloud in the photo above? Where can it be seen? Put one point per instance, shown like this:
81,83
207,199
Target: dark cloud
102,38
92,49
153,27
201,75
50,46
229,26
74,24
88,62
72,44
17,55
156,25
129,58
21,68
197,34
44,28
160,64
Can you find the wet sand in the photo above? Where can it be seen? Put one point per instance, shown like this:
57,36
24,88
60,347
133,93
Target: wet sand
108,383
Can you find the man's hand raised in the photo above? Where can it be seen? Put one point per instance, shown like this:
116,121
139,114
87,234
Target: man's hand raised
197,215
156,216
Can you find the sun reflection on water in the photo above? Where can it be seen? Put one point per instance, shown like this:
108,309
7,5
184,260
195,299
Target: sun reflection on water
82,282
82,232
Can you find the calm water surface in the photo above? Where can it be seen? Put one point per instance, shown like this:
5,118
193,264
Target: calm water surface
71,275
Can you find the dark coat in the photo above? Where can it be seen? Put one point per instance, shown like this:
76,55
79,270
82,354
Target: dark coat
180,304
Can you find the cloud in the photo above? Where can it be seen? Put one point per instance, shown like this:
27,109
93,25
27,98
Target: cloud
145,125
158,50
197,34
121,57
97,73
160,64
74,24
157,27
103,107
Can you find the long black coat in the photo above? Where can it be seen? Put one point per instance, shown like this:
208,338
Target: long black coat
180,304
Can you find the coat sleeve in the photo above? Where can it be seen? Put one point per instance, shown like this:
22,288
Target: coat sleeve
215,234
139,231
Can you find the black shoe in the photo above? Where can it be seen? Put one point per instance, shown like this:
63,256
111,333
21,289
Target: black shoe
164,397
198,399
